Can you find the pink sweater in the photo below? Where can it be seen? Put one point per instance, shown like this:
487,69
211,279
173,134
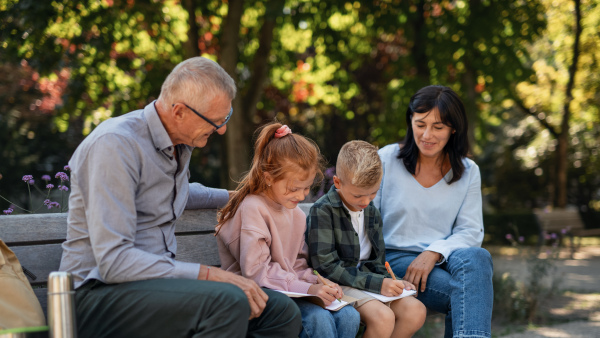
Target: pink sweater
264,241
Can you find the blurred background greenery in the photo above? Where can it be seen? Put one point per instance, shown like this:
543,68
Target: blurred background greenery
527,70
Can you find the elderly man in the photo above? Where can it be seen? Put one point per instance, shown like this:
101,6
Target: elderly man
129,181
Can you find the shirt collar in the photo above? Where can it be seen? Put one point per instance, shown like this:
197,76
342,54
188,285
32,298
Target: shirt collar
334,197
160,137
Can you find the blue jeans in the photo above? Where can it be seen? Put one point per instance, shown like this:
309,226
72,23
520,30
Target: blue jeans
318,322
461,288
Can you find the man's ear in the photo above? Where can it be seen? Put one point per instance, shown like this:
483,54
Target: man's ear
178,112
337,182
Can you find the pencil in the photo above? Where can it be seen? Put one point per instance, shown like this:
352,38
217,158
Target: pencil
387,266
323,280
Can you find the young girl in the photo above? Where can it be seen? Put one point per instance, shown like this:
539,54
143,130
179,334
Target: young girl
261,230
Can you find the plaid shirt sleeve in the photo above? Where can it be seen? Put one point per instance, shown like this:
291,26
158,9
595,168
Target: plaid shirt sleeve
334,249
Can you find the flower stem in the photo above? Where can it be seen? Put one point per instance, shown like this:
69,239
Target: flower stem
16,206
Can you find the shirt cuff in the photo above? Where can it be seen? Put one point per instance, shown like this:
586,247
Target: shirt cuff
299,286
186,270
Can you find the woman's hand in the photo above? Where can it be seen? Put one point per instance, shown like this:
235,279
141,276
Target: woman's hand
420,268
327,293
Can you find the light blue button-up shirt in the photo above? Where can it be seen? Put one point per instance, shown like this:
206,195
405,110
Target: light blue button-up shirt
127,191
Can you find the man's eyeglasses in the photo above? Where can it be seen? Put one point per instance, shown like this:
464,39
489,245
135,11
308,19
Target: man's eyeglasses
209,121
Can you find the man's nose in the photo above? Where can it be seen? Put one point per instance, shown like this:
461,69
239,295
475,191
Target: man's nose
222,130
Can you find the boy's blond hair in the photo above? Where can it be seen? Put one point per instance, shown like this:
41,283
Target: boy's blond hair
359,164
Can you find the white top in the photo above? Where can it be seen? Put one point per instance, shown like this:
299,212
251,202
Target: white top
441,218
358,223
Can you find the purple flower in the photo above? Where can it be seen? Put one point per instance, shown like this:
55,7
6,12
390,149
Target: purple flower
51,205
49,186
509,236
553,235
27,178
63,188
564,231
521,239
67,168
63,177
31,182
329,172
8,211
46,178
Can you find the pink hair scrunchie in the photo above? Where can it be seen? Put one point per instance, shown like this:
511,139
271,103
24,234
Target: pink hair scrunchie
282,131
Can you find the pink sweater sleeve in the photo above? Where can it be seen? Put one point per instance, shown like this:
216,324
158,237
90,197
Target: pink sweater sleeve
256,261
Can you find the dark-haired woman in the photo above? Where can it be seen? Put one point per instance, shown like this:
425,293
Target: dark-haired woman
430,203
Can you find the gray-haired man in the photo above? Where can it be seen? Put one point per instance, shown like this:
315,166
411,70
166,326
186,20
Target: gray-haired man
129,181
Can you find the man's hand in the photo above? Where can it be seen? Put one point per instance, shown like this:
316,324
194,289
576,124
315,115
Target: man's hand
256,296
418,271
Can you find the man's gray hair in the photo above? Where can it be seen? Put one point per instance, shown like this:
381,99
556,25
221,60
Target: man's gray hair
196,81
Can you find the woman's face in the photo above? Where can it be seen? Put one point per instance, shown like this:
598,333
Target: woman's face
430,134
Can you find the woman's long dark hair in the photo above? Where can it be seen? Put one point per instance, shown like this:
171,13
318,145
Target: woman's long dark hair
452,113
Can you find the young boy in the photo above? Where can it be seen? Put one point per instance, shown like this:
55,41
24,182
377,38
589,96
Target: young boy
345,244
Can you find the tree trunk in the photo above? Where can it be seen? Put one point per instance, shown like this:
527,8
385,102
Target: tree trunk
238,140
191,46
563,139
235,145
470,103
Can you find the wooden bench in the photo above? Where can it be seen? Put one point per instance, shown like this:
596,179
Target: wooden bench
563,222
36,240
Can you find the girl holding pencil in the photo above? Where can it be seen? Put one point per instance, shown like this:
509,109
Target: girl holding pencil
260,233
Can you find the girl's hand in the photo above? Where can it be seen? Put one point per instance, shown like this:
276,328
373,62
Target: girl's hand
327,293
340,293
391,288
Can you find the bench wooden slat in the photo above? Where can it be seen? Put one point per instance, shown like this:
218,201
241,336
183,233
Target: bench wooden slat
42,296
48,228
43,259
39,259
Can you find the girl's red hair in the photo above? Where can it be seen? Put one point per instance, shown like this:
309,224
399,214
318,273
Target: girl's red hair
278,157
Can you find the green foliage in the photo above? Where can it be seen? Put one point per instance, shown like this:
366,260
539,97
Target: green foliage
337,70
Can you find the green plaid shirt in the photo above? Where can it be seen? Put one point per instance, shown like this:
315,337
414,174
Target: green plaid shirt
334,248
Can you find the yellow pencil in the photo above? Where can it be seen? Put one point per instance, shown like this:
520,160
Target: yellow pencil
323,280
387,266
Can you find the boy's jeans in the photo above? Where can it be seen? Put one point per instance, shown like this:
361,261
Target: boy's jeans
322,323
461,288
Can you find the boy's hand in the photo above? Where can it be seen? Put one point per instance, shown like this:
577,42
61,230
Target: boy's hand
408,285
327,293
392,288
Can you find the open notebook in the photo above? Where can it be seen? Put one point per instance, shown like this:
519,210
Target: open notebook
386,299
334,306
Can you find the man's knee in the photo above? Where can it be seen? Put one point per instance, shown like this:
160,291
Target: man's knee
283,305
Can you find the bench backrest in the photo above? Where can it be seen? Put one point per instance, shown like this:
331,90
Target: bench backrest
559,219
36,240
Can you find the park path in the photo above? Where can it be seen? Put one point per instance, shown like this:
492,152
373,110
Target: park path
579,274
